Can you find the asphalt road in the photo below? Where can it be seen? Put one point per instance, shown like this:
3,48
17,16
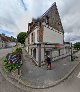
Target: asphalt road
3,52
72,84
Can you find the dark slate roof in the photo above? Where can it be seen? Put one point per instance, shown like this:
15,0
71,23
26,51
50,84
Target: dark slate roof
6,38
3,38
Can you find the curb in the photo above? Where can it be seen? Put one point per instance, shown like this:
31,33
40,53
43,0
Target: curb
20,84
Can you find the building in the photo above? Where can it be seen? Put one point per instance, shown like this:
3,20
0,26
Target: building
46,36
3,41
6,41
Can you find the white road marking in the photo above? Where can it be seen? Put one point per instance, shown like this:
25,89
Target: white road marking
78,75
64,64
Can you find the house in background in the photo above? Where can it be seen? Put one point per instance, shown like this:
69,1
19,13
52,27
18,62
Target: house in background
3,41
6,41
46,36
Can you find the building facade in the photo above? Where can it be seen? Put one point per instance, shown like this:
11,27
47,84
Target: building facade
46,36
6,41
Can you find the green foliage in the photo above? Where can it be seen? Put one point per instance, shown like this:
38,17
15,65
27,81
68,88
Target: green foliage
21,37
77,45
12,66
9,67
18,50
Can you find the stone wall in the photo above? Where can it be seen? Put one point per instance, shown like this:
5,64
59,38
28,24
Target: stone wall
54,18
41,29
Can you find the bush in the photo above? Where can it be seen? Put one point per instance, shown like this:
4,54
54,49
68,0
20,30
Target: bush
9,67
18,50
77,45
8,64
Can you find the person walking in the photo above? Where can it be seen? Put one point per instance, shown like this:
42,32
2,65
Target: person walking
49,62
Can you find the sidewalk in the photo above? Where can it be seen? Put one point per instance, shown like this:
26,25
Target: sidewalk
40,77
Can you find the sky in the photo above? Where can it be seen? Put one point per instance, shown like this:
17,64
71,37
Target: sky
16,14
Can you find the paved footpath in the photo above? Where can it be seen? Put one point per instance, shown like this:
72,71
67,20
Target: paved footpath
40,77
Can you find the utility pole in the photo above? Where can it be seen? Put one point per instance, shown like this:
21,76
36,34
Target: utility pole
71,53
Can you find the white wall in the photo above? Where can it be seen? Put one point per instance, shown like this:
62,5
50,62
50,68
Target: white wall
10,44
4,44
52,36
62,51
35,31
26,41
55,53
0,44
36,35
67,50
29,51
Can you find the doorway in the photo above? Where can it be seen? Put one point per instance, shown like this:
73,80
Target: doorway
34,53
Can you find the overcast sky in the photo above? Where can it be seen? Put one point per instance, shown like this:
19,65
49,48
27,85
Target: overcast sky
15,15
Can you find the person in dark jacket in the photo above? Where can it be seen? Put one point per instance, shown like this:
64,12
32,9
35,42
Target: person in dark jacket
49,62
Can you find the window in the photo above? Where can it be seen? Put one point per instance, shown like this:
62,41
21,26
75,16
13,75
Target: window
58,23
37,35
31,51
47,20
32,37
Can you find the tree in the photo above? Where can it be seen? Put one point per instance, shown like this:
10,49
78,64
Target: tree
21,37
77,45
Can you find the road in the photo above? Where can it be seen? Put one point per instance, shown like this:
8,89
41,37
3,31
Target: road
72,84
